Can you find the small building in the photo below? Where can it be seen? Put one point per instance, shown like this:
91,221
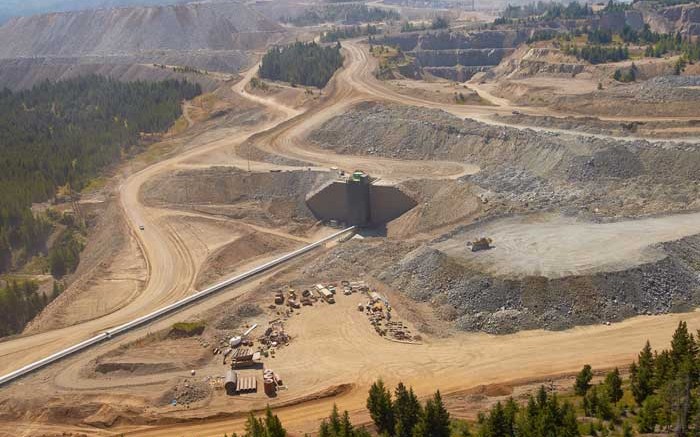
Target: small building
327,295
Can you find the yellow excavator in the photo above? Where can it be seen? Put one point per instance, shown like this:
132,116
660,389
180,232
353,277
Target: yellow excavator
480,244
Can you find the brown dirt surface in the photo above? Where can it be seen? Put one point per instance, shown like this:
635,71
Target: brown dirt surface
438,91
248,247
150,357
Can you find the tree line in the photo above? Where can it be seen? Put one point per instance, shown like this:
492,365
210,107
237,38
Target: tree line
669,43
400,415
548,10
596,53
302,63
665,385
346,32
20,302
62,134
345,14
542,416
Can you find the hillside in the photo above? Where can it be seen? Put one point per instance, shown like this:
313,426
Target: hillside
206,36
18,8
109,32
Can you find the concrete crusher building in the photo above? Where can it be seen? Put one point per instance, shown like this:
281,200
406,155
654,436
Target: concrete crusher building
356,200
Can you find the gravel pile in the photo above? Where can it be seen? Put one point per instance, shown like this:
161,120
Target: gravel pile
186,392
475,301
667,88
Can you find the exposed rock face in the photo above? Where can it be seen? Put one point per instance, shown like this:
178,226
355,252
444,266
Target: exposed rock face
456,55
680,18
122,31
529,61
207,36
616,21
465,57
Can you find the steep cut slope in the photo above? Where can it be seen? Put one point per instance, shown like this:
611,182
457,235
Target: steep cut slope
106,32
123,42
19,8
683,18
456,55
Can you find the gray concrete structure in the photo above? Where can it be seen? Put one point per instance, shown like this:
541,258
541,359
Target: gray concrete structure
359,203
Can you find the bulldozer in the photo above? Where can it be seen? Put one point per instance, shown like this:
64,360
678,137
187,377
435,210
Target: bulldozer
480,244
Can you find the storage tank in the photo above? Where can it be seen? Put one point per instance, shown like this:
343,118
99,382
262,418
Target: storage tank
230,384
270,387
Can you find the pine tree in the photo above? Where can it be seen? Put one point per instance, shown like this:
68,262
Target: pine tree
683,348
324,429
642,375
254,427
649,414
346,428
273,425
407,410
496,424
583,380
613,384
379,405
435,420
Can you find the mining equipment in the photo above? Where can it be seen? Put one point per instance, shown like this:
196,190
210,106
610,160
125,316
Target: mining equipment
480,244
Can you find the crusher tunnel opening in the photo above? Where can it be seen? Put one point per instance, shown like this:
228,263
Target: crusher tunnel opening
356,201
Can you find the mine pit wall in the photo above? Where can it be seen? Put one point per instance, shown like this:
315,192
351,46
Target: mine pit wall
358,204
458,73
455,55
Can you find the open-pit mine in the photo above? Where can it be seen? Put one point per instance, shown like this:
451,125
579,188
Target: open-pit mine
472,207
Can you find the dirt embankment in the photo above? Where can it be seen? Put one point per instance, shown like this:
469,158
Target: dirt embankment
268,199
533,170
108,32
669,96
541,75
594,125
463,295
245,249
440,204
210,36
110,273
